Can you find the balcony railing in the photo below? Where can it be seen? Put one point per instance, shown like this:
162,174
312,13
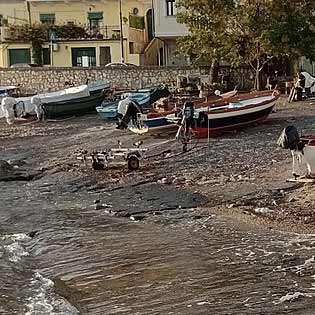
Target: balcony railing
20,33
103,32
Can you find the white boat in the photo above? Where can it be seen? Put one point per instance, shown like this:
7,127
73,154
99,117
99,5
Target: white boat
52,97
63,96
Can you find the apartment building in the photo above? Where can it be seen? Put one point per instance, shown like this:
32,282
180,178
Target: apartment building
80,33
167,30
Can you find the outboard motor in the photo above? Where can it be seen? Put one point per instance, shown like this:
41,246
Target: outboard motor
131,114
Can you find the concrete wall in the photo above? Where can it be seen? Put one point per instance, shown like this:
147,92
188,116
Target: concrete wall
43,79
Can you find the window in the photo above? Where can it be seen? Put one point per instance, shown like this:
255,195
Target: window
19,56
170,7
95,19
47,18
83,57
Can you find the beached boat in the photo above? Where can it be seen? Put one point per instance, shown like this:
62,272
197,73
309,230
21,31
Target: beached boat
157,119
71,101
144,97
219,116
236,113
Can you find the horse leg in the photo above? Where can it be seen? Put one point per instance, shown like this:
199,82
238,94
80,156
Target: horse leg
294,163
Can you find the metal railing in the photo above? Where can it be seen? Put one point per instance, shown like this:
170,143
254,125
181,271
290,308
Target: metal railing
103,32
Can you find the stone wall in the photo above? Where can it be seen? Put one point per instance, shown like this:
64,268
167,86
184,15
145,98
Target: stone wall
45,79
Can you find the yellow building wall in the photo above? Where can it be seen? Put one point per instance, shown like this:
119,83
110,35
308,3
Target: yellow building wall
70,10
14,11
77,11
63,57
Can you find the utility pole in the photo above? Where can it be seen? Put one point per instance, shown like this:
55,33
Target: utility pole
153,18
121,32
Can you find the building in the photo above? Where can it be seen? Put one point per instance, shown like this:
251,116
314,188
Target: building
79,33
167,30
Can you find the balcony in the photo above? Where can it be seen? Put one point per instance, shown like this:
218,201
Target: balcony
103,32
24,33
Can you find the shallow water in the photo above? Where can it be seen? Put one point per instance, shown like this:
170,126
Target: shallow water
83,260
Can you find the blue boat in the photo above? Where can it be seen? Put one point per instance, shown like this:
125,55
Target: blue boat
144,97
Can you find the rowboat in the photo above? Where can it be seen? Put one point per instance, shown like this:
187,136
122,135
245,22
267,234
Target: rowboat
236,113
158,119
216,117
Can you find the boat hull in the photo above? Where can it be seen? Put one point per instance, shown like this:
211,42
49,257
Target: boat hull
217,124
76,107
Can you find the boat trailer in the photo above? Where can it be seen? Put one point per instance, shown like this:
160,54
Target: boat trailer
100,160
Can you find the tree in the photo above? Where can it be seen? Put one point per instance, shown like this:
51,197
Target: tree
204,45
250,32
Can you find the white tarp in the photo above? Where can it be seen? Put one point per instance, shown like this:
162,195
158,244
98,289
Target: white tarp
51,97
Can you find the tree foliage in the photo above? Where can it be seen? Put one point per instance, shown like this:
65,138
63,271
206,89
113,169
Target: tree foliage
248,32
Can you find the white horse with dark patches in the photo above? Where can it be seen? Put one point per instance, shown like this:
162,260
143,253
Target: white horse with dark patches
307,82
38,106
302,150
8,105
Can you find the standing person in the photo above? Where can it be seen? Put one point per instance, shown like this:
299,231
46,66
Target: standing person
189,116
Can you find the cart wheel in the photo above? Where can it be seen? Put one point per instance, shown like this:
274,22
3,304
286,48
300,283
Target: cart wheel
133,163
98,166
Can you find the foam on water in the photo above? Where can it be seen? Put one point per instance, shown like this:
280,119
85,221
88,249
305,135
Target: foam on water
45,301
13,246
42,299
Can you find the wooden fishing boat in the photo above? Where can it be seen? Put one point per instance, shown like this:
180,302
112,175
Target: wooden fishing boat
218,116
236,113
157,119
